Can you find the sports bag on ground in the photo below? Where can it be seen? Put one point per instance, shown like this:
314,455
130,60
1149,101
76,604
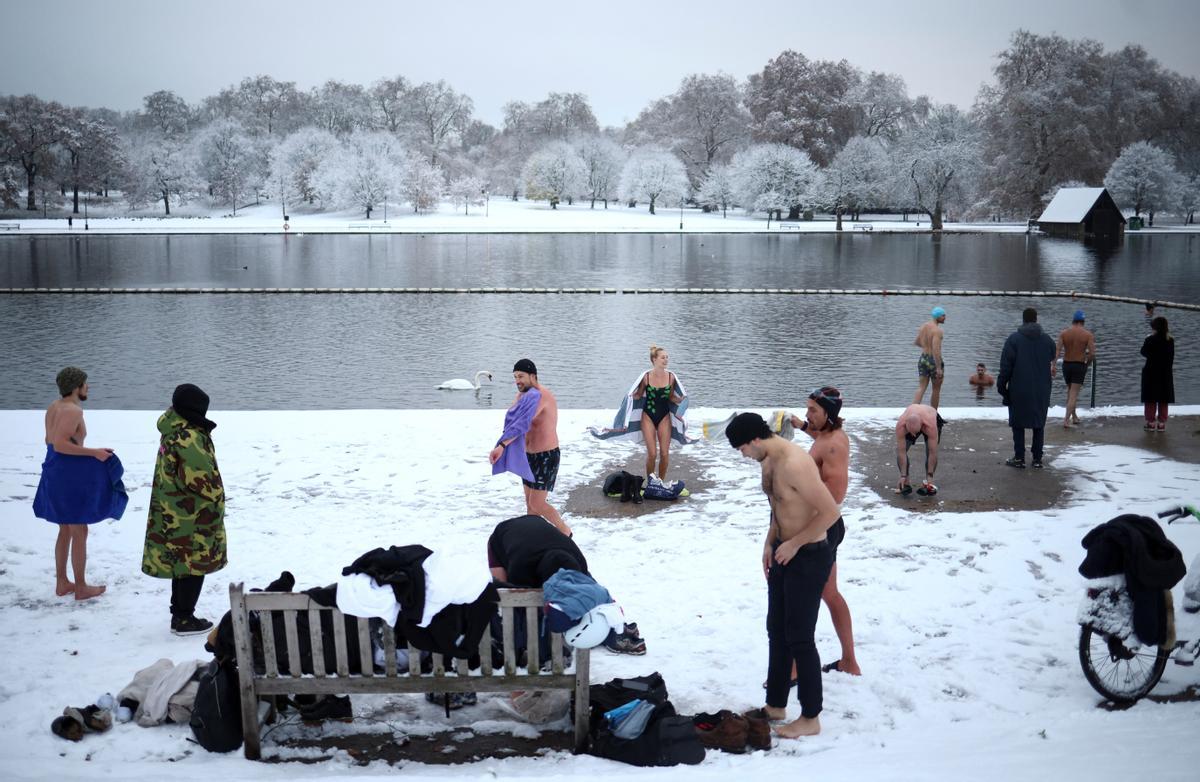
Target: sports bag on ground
217,713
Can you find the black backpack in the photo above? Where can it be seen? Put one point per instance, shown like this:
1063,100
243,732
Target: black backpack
624,485
668,739
217,713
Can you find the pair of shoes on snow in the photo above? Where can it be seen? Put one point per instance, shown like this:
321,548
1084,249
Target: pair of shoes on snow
452,700
731,732
189,625
328,708
927,489
625,643
74,722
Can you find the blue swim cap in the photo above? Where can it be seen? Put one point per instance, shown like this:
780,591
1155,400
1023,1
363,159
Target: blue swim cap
938,312
1078,317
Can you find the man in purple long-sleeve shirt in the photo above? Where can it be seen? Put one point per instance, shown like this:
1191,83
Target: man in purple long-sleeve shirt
529,445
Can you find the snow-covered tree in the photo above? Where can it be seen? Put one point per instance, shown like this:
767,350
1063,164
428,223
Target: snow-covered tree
165,113
340,108
161,169
702,122
1144,177
881,105
389,98
786,174
602,161
466,191
93,153
363,172
1064,109
942,162
437,113
716,191
8,185
30,131
857,178
232,163
1189,199
553,173
294,163
654,176
423,184
803,103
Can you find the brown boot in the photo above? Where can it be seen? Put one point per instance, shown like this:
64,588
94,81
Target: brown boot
758,735
724,730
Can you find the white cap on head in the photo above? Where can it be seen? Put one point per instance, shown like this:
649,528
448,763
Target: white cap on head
589,631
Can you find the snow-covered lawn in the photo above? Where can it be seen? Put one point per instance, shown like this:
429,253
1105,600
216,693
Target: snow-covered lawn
965,622
499,215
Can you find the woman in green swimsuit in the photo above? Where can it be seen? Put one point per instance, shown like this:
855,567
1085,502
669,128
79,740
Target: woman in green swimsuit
657,389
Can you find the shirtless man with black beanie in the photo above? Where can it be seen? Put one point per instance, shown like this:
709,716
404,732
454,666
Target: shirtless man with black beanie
796,562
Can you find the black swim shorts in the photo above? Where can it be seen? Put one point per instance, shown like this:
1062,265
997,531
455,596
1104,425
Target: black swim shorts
835,535
544,466
1074,372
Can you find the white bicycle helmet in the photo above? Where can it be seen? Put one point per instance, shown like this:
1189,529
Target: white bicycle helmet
589,631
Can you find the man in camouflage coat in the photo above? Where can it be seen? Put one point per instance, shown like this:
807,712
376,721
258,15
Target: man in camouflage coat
185,533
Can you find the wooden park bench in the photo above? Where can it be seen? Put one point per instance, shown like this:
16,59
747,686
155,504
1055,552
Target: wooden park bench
864,227
10,226
446,676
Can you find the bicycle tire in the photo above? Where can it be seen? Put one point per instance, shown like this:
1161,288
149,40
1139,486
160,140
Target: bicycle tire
1122,677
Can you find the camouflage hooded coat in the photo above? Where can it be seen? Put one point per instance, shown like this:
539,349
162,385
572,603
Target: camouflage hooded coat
185,533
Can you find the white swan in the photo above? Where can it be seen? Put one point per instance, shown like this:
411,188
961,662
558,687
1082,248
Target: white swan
459,384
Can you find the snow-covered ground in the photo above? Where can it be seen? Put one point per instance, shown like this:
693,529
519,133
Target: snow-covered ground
497,216
965,622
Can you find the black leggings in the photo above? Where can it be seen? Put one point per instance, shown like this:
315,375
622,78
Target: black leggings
185,593
793,600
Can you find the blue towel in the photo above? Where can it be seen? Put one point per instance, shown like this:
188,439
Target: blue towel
80,489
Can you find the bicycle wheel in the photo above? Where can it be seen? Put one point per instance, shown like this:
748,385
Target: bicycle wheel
1121,673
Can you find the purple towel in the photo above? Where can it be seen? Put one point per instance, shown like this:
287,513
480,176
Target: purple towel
80,489
516,423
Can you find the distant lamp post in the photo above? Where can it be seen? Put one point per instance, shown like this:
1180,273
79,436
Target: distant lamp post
385,197
681,215
487,201
85,212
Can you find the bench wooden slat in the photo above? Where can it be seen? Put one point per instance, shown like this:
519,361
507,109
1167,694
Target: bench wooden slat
389,652
365,658
582,685
267,627
533,653
245,657
414,660
510,652
293,643
485,652
339,643
556,653
406,684
318,645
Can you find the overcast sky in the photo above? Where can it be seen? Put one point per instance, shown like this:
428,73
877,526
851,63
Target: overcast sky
620,53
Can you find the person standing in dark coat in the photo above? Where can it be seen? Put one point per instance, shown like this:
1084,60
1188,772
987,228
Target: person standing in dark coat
1158,381
1026,371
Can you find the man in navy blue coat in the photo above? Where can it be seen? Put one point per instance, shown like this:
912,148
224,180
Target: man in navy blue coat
1026,371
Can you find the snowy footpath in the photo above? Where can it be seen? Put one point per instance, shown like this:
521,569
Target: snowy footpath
965,622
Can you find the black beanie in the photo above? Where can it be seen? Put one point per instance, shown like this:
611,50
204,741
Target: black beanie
192,405
526,366
746,427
